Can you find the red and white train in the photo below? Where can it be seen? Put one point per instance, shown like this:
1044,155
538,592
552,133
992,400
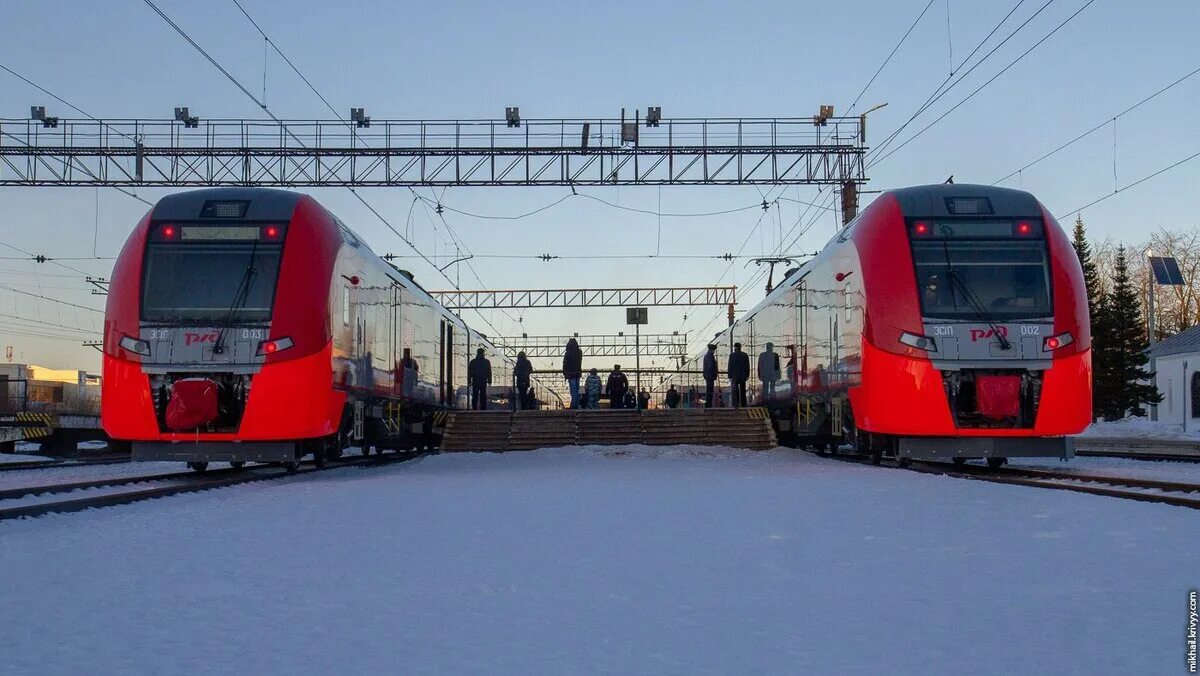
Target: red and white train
946,321
249,324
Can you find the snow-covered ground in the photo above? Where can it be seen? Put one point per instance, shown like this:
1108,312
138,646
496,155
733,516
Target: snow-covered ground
20,457
1139,428
627,559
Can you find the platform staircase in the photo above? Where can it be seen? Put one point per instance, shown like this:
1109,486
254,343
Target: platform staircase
528,430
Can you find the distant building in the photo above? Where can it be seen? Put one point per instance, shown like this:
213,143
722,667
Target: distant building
1177,377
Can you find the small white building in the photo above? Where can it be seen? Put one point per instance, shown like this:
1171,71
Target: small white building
1177,377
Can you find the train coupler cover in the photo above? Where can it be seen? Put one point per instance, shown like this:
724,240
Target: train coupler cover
193,404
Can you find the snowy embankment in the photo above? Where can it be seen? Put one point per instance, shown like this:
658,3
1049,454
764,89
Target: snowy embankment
622,560
1141,429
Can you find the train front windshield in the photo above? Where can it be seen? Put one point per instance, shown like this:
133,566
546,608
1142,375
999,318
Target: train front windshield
211,276
998,270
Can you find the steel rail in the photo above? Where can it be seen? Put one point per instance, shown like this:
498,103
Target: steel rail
250,475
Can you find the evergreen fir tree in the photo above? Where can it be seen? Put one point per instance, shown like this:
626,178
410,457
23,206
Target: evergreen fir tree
1096,307
1121,343
1091,274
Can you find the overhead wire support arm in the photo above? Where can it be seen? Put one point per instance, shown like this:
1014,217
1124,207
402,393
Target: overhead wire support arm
427,153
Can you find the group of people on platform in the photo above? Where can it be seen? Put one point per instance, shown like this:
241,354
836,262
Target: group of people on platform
616,389
738,370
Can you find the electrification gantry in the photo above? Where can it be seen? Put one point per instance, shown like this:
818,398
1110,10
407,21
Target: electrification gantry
545,298
187,151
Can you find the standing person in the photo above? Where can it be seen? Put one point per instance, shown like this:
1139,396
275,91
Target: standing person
479,376
522,371
710,374
768,371
572,369
617,385
591,388
672,399
643,400
738,369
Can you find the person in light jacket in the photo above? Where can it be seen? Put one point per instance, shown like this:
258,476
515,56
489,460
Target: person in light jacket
591,389
768,371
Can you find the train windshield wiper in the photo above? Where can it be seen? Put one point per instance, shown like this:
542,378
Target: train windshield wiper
972,299
239,299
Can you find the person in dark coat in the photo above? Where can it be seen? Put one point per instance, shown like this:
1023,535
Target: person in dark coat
710,374
572,369
672,398
768,371
479,376
630,400
617,385
643,400
738,369
522,371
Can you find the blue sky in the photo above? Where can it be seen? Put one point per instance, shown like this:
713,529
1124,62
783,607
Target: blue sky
590,59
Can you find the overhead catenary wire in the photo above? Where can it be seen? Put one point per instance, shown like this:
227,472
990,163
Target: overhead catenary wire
51,299
980,88
889,56
947,84
263,105
1122,189
1098,127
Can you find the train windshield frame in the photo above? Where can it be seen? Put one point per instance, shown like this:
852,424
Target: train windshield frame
205,281
998,270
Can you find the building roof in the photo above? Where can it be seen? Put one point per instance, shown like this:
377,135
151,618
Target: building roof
1184,342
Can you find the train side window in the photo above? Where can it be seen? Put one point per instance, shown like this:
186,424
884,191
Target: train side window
345,306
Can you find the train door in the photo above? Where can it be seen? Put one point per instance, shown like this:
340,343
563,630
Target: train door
448,396
442,353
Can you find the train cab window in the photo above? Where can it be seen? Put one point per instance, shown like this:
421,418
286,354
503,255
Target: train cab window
345,306
961,278
208,280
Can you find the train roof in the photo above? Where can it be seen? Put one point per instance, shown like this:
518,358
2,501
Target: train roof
262,204
945,200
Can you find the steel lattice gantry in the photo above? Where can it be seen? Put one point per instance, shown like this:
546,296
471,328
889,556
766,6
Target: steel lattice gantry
597,345
756,151
544,298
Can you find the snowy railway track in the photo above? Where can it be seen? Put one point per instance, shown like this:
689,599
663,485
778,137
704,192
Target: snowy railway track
1130,488
79,462
146,487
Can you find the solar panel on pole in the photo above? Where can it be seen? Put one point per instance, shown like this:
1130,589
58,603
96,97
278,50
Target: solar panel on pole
1166,271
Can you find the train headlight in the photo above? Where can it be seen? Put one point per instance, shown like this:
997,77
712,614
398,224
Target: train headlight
1052,343
272,346
135,346
920,342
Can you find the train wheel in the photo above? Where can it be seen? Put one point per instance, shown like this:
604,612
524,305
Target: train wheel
237,464
318,453
997,463
198,466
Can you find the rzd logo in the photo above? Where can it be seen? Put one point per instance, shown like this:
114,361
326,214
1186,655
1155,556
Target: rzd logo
984,334
191,338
